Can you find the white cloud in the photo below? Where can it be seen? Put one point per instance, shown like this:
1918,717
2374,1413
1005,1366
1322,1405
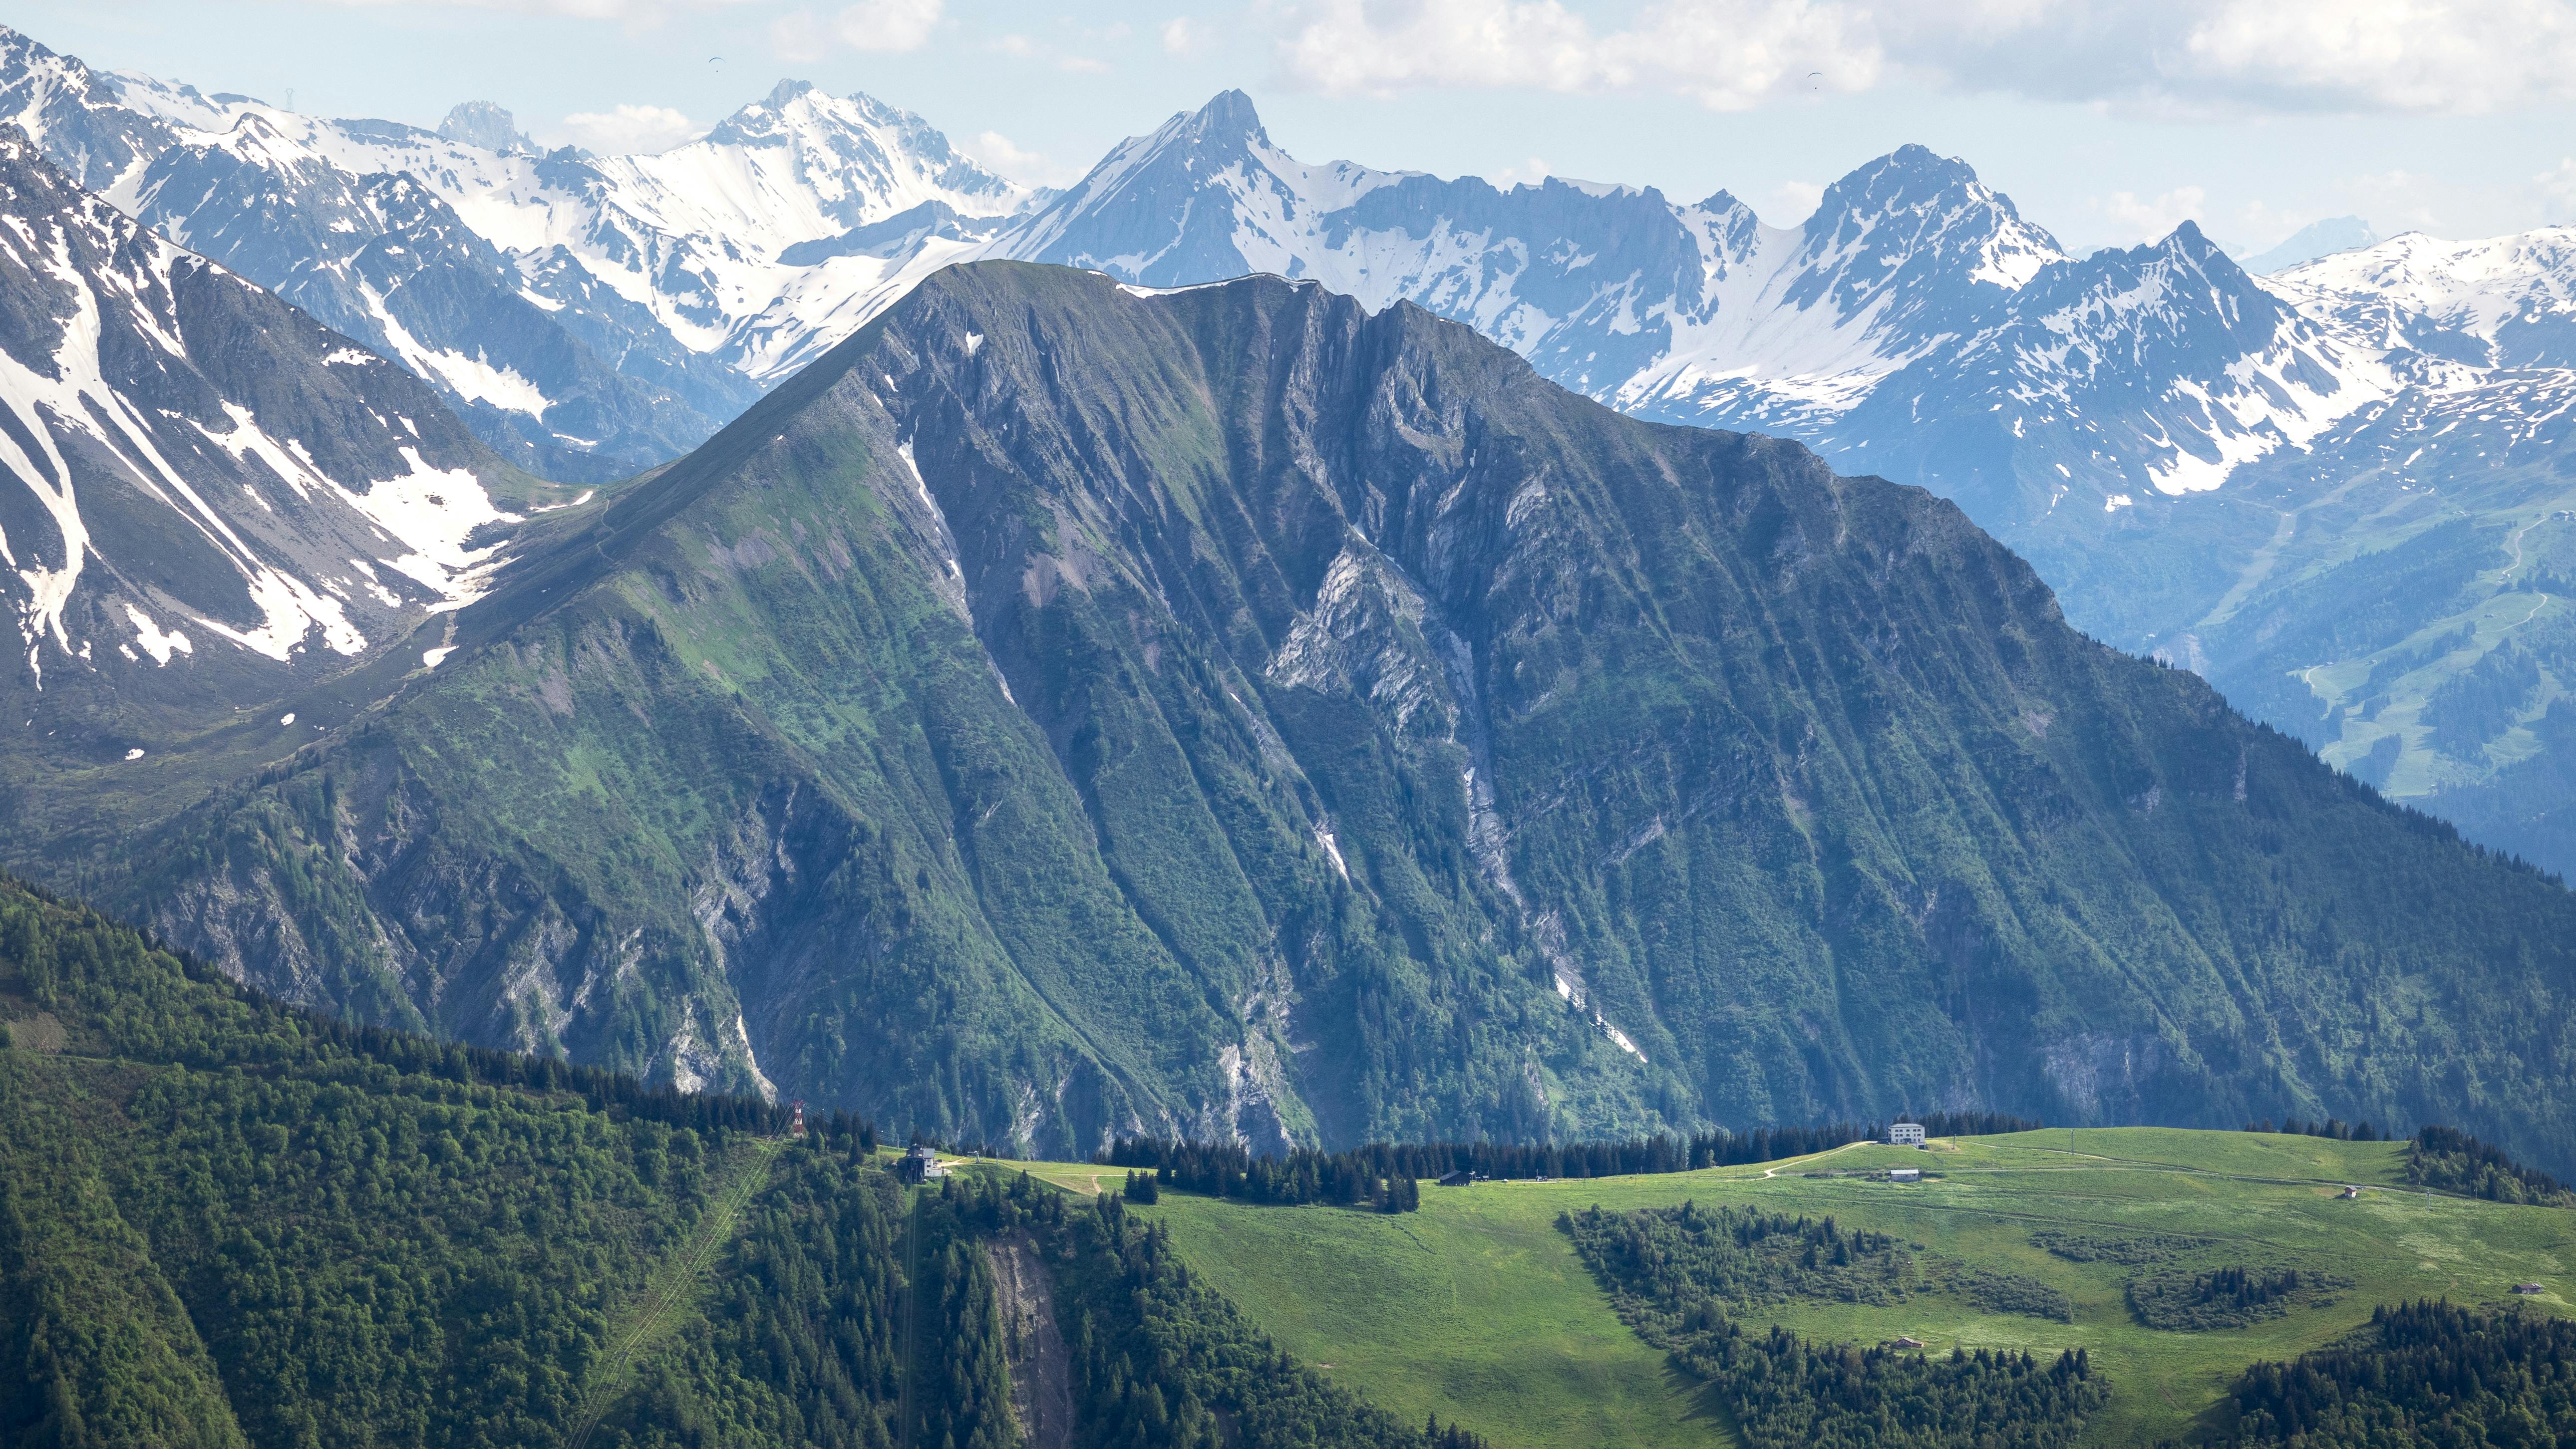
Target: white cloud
1083,65
1182,35
1791,202
2187,56
631,130
2559,187
2135,221
876,26
998,152
1529,173
2394,55
1726,54
630,12
1015,44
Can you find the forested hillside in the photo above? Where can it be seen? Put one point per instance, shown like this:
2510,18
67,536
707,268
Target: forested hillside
2423,1373
226,1223
1689,1281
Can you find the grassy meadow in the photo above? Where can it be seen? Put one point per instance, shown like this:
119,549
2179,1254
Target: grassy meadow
1476,1308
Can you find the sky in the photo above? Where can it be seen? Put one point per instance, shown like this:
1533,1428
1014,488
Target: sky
2107,122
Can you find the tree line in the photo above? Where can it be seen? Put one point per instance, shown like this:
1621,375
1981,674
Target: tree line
2449,1160
1680,1276
224,1222
2446,1159
1366,1174
2425,1373
1156,1358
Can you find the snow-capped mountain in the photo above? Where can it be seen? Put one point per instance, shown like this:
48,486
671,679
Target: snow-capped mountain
588,316
2316,239
207,494
80,116
2098,383
384,258
748,242
1915,324
2166,435
2244,474
2505,302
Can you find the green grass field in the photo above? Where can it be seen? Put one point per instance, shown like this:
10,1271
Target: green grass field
1477,1309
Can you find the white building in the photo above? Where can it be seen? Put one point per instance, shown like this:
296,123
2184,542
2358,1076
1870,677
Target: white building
1905,1134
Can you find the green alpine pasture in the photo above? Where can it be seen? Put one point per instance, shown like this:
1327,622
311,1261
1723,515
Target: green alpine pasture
1476,1308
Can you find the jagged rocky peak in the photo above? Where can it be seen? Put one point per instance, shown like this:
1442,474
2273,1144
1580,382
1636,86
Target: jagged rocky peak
73,112
484,124
764,122
1228,116
1913,202
840,142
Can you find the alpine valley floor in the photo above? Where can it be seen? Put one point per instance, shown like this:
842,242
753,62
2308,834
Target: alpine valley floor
1477,1309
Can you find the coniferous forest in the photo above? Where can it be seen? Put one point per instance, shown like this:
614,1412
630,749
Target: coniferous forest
1686,1278
2425,1373
1368,1174
224,1222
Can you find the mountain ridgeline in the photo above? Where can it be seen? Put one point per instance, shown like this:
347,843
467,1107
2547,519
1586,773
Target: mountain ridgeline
1069,710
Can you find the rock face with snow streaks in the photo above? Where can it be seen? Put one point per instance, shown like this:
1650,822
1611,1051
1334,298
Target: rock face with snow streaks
207,494
589,317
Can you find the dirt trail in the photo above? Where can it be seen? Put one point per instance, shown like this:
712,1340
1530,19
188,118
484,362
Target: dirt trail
670,1288
1812,1157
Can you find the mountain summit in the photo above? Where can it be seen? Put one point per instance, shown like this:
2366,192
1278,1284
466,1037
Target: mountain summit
483,124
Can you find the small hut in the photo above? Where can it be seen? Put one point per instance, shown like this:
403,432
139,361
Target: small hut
919,1165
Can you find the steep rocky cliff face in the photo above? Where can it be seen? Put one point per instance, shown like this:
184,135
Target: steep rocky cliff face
1069,708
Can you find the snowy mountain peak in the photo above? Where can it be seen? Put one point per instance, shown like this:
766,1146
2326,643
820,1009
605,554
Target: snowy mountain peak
1913,204
2187,239
194,474
864,159
481,123
1228,116
74,113
2507,301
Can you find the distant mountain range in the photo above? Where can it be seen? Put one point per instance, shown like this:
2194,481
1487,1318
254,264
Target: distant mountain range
2316,239
589,317
2231,472
2205,463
